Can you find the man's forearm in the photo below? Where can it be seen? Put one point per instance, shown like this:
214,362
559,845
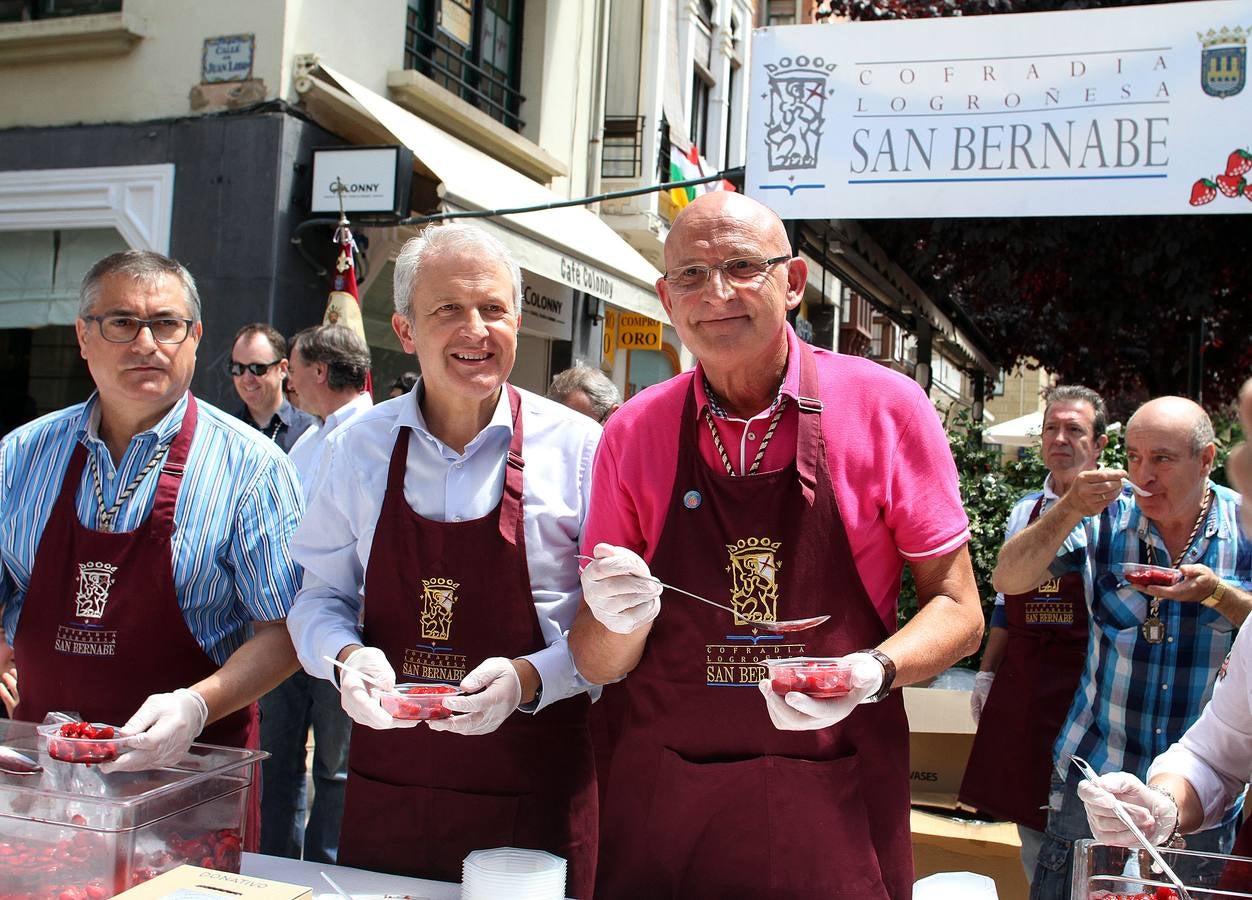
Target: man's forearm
604,656
258,666
1235,604
1024,559
997,641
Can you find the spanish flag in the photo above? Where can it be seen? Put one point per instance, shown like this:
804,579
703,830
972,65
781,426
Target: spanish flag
344,305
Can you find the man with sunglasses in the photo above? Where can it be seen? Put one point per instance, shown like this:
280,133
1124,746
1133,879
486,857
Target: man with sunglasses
259,367
144,535
786,482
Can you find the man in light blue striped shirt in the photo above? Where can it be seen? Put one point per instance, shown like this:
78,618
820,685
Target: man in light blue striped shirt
1154,650
144,534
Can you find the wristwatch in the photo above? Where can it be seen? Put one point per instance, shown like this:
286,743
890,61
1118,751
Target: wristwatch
1215,599
888,674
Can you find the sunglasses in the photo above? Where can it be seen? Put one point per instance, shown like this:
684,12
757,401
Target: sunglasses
257,369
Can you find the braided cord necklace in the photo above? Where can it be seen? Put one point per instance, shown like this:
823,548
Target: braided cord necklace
108,517
1153,630
760,452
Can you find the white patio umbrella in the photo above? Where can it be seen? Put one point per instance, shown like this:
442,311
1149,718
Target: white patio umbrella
1024,431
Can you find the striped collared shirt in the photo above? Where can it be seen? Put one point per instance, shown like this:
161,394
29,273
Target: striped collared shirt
1135,699
237,508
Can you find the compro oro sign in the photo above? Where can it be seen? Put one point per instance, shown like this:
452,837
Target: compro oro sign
636,332
1140,110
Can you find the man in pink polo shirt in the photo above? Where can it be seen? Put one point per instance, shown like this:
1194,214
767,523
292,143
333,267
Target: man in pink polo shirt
783,481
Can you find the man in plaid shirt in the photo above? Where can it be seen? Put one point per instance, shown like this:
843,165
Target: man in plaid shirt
1154,650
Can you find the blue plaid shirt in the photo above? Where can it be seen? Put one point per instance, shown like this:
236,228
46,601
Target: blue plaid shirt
236,510
1135,699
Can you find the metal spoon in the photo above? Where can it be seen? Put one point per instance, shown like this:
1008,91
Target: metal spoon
781,626
1134,487
14,763
1119,809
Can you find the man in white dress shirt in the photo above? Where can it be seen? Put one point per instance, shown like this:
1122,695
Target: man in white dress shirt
326,379
447,522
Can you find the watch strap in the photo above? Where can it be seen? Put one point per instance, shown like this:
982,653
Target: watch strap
1215,599
888,674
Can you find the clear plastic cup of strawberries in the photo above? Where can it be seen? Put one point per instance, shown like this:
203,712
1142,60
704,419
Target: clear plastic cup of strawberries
1141,575
822,678
418,702
86,743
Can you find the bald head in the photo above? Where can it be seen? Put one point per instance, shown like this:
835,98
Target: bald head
719,209
1176,415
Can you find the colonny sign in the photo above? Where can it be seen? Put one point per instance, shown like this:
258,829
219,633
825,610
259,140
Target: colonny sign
1140,110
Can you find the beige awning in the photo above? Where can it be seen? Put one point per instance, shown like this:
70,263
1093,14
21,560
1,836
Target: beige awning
572,245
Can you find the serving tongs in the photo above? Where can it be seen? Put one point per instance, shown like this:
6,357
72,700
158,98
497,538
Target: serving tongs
779,626
13,762
1119,809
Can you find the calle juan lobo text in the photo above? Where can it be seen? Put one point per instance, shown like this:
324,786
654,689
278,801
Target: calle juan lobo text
1049,96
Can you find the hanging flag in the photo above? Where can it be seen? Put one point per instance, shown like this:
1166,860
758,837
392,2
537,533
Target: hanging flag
682,169
694,157
344,305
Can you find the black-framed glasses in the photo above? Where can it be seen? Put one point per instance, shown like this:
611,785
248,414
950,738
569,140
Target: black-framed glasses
124,329
257,369
742,271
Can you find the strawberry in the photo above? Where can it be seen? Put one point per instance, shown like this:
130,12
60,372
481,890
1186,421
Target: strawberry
1202,192
1230,185
1247,191
1238,162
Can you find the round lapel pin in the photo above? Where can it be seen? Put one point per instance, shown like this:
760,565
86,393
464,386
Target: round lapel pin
692,499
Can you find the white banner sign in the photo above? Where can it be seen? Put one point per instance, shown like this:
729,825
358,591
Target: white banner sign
1139,110
547,307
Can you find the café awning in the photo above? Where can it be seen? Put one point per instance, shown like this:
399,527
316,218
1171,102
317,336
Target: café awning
571,245
1024,431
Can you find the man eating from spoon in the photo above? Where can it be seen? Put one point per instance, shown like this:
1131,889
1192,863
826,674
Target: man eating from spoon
803,482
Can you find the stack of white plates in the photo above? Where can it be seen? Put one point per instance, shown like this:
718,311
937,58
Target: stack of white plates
507,872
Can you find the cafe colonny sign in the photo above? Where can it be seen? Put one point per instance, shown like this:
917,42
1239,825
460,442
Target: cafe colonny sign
1142,110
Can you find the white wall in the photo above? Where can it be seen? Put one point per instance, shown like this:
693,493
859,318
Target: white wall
363,40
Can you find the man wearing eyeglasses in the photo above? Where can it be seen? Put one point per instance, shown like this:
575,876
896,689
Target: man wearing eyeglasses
786,482
258,367
144,535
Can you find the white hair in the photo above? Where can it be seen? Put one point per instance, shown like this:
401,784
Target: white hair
451,238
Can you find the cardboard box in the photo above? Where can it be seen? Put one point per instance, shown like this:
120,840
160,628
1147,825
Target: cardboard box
941,733
195,883
946,844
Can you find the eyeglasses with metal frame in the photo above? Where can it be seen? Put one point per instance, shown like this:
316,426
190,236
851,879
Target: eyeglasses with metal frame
743,270
257,369
124,329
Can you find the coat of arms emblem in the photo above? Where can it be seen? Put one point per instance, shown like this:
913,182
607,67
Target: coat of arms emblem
797,97
438,597
1224,61
754,580
95,580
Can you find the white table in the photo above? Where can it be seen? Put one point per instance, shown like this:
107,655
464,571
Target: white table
355,881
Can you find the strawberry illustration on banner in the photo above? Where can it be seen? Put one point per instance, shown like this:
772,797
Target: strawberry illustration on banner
344,305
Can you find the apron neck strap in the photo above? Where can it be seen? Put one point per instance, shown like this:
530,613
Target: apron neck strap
511,501
172,469
810,445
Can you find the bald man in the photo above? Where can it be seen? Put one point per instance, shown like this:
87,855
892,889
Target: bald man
785,481
1154,651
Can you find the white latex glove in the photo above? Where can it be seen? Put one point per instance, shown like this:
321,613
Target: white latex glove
800,712
164,727
978,697
493,691
357,696
620,590
1153,812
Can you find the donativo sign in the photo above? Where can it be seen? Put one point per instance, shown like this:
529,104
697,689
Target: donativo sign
1140,110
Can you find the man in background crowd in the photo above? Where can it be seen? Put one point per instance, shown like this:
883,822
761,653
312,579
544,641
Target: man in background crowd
258,368
1154,651
328,366
586,390
1037,645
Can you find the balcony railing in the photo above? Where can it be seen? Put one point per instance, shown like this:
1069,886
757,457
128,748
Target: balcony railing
28,10
622,153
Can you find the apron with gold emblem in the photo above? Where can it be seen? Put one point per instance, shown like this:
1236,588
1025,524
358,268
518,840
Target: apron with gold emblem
101,628
1010,765
706,798
440,597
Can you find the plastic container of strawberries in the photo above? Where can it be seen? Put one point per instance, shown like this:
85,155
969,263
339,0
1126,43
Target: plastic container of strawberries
75,831
84,742
419,702
817,677
1104,872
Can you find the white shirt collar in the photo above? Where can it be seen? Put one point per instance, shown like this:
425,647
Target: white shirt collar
411,416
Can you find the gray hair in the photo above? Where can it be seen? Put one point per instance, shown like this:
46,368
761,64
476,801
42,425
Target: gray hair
600,390
1202,434
145,266
1077,393
339,348
450,238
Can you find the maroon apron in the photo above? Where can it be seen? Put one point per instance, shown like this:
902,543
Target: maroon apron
440,597
101,628
1237,876
1010,764
706,798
